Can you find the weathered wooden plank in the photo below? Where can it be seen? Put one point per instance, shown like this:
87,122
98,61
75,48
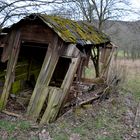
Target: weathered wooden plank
39,83
69,77
53,105
10,70
106,59
11,114
58,97
71,51
39,94
8,48
43,92
53,62
37,33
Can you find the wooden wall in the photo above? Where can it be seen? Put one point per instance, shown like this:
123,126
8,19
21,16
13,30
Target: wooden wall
56,48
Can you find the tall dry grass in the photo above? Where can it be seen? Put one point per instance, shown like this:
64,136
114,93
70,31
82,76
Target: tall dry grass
132,75
125,73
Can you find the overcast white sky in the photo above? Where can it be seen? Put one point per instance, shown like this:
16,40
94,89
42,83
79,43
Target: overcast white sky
132,17
135,4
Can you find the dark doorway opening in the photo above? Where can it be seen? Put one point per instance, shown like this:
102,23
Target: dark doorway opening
60,71
30,60
29,63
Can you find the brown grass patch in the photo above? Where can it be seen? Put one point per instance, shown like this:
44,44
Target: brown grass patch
132,82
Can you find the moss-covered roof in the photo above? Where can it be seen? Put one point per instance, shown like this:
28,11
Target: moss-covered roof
69,30
74,32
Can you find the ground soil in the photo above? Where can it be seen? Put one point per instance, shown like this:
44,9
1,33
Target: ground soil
109,119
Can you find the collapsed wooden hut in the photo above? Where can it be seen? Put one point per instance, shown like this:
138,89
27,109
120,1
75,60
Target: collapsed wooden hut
46,53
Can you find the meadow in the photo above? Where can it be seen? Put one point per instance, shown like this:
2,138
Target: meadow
111,119
132,76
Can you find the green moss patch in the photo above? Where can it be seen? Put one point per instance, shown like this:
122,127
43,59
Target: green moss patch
72,31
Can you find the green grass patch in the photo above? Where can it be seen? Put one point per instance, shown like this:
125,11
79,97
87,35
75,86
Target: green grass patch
120,54
107,138
61,136
24,125
8,126
133,84
89,72
13,126
80,130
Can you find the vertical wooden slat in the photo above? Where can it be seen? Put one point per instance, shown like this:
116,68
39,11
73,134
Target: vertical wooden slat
43,95
8,48
39,94
53,105
10,70
39,83
107,59
58,97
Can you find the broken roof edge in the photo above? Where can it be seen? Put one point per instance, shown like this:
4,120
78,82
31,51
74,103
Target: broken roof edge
69,31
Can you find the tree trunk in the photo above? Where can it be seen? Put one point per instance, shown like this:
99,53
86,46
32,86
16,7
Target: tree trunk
95,60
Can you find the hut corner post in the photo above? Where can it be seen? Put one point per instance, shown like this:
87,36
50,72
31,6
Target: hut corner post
10,69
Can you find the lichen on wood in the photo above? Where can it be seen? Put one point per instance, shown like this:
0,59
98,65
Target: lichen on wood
72,31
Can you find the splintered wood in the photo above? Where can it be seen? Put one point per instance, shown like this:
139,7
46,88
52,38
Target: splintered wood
86,93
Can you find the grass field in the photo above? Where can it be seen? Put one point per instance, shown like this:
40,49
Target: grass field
111,119
132,75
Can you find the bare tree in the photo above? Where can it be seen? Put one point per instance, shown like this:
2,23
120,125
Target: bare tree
11,9
100,10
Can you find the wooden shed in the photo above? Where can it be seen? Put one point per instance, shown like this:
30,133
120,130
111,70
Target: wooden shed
45,53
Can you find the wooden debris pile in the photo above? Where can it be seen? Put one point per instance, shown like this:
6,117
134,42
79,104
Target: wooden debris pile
85,93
